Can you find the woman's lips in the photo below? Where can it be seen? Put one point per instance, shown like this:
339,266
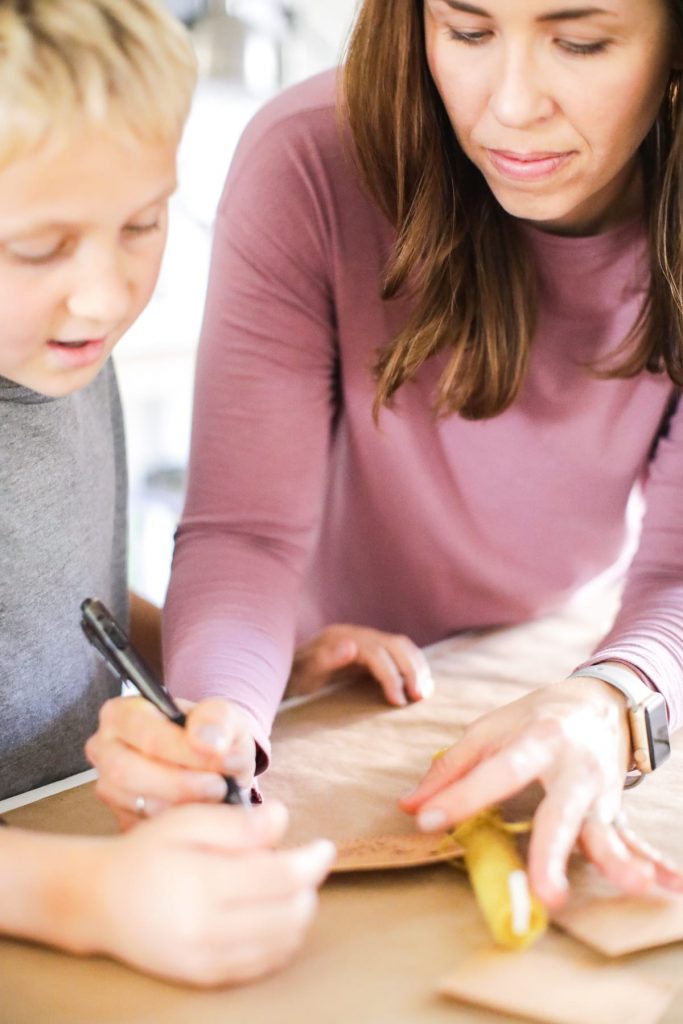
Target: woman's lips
527,166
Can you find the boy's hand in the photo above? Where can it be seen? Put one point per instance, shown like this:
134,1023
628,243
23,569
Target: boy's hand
399,666
198,895
140,753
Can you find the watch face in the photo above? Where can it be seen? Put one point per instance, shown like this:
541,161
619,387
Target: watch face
659,745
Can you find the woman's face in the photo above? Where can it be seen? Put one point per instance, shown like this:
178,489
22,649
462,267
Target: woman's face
551,99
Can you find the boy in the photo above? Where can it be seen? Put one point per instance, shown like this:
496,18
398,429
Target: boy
93,96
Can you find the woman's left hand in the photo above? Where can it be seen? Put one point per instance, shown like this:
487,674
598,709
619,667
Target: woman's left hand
393,660
573,738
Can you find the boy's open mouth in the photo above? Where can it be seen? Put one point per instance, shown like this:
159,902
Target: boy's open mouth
73,344
77,353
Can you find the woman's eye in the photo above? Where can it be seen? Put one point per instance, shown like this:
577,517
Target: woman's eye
584,49
473,38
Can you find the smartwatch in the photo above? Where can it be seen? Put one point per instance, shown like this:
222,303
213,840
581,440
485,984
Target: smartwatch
650,743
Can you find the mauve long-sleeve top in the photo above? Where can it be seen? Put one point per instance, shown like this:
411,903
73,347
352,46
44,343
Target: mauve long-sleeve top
302,512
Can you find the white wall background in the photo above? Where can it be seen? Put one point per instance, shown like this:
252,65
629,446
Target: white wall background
155,360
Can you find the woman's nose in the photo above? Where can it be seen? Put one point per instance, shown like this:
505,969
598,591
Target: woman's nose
521,97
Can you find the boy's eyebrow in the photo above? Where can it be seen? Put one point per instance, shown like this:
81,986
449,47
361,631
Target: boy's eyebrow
565,14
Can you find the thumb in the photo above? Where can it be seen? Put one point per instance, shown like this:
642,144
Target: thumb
222,828
213,726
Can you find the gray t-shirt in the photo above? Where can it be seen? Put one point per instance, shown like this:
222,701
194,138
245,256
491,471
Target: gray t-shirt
63,494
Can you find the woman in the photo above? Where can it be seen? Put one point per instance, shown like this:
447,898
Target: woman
498,216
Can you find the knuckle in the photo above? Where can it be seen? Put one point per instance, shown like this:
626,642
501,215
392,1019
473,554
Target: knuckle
440,768
517,764
149,739
91,749
329,634
303,908
291,873
202,968
102,792
187,787
114,771
108,714
262,962
549,726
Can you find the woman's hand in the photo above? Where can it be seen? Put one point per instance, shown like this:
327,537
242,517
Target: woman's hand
399,666
140,753
574,739
198,895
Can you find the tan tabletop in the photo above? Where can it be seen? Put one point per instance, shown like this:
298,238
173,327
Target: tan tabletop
381,941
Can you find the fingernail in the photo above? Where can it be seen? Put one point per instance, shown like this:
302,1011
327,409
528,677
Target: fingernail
320,858
432,820
325,850
213,737
425,685
234,764
215,789
400,698
557,877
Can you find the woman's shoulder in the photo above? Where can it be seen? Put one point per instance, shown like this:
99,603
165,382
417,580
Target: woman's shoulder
309,101
301,122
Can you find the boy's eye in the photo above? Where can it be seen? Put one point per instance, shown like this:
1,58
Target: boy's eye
143,229
36,254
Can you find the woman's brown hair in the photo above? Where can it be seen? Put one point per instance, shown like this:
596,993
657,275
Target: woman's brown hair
458,255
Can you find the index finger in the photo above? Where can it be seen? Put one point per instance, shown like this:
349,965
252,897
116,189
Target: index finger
136,723
447,768
413,666
496,778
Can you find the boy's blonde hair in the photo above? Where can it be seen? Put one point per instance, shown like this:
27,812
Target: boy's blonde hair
124,61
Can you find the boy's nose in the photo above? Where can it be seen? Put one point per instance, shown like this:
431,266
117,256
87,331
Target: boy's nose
520,97
100,295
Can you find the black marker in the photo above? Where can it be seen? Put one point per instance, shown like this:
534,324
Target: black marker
112,644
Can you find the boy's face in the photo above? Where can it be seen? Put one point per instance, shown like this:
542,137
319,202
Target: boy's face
82,231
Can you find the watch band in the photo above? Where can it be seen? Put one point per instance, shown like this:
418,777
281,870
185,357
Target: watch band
635,691
631,685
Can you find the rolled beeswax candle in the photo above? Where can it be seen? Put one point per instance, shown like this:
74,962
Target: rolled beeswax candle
516,918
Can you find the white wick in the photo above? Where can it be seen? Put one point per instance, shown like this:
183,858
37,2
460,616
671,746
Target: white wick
520,901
